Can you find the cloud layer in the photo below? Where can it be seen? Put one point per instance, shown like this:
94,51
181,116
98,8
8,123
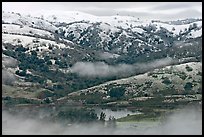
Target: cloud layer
101,69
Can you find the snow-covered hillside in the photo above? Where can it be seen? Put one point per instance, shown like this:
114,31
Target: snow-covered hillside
43,21
116,35
25,30
124,22
16,18
32,42
120,34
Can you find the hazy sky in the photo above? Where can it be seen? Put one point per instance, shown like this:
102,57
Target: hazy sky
148,10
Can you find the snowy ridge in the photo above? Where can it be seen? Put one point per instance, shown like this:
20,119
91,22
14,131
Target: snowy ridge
75,16
113,22
116,34
13,18
108,23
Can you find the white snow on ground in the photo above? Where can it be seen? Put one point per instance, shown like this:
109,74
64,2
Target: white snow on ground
109,23
139,30
106,27
28,21
28,41
74,28
73,16
178,28
11,28
195,34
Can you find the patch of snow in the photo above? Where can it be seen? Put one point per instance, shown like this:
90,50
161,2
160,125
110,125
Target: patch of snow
195,34
139,30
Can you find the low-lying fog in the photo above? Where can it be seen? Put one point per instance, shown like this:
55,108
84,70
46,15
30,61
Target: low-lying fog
101,69
187,121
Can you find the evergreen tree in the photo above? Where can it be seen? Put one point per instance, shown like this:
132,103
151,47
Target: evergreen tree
102,117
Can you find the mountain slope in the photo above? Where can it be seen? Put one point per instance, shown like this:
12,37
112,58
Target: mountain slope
39,53
183,82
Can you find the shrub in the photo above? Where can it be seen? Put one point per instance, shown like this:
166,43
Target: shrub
166,81
188,86
21,73
188,68
117,92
